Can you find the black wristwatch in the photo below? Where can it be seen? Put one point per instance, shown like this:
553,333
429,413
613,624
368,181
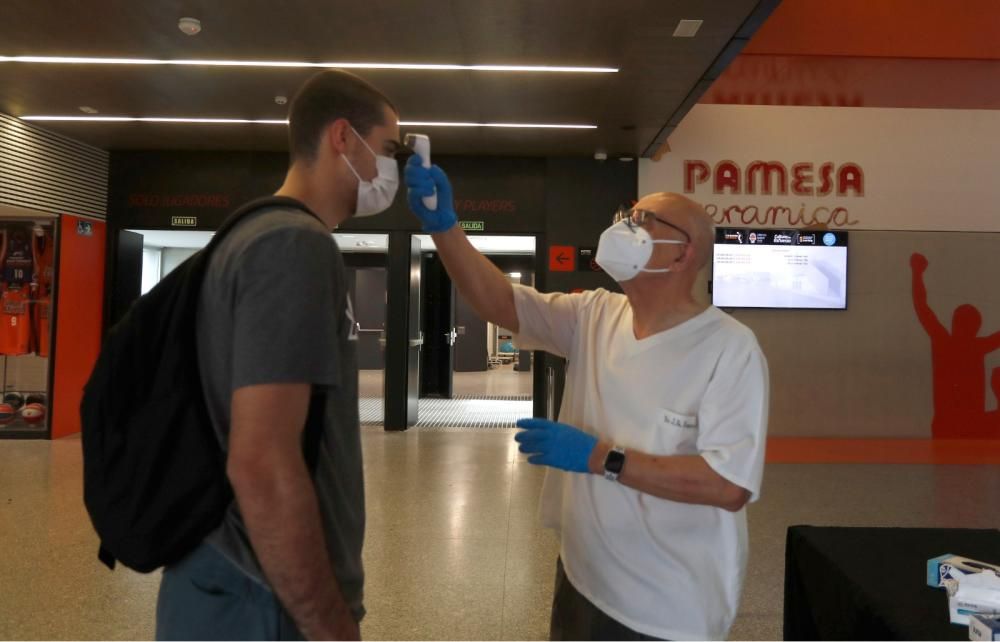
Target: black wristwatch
614,463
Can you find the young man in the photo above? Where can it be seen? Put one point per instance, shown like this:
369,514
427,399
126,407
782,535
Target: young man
275,328
665,411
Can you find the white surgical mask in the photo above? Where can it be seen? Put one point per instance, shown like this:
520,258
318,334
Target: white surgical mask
624,251
376,195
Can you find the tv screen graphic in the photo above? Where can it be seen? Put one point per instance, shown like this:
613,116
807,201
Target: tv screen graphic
768,268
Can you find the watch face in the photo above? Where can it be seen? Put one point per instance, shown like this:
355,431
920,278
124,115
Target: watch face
614,462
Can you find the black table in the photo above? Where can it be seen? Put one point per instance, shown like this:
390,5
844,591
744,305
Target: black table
871,583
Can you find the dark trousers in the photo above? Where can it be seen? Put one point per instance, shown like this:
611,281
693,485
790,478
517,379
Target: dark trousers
574,617
206,597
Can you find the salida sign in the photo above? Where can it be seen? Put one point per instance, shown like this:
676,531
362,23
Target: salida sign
802,180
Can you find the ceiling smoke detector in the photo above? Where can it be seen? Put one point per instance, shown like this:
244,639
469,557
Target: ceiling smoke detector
600,155
87,110
687,28
190,26
281,100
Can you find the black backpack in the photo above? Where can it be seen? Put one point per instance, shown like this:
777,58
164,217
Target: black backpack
154,472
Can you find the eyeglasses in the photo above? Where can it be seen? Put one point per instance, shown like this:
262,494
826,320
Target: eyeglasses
635,217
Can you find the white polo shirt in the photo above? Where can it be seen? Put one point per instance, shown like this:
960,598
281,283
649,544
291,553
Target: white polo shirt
663,568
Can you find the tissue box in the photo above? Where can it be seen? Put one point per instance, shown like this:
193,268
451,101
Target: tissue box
974,594
984,627
954,567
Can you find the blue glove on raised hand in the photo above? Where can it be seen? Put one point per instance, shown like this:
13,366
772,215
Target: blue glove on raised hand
550,443
422,181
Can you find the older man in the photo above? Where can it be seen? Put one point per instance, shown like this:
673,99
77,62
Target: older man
665,411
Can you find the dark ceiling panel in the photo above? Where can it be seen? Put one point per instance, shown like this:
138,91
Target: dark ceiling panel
630,108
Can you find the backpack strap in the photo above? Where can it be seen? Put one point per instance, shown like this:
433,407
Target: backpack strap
253,206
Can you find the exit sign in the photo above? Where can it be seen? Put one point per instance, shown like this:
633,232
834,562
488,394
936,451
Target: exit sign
473,226
184,221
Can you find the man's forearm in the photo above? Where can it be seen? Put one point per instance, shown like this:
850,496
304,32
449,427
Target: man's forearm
279,506
480,282
680,478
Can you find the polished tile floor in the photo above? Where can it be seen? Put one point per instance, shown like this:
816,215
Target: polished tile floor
453,550
502,381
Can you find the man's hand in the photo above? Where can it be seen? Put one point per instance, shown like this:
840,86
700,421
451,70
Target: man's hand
422,182
918,262
554,444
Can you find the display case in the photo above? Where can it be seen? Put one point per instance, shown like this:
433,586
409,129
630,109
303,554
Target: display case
27,286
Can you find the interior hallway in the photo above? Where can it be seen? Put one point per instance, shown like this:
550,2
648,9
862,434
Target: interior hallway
453,550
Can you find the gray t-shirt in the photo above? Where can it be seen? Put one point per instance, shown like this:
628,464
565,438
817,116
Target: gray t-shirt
274,308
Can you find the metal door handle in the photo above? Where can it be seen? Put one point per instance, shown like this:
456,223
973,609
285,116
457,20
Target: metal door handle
550,393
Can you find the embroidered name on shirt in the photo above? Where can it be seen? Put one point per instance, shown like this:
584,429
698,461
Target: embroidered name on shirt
680,421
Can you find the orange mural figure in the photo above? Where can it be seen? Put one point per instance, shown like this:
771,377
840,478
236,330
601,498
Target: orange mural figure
959,366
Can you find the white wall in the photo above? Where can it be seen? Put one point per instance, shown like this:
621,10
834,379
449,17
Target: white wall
151,259
174,256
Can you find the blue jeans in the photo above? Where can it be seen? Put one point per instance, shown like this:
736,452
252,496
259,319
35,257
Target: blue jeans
206,597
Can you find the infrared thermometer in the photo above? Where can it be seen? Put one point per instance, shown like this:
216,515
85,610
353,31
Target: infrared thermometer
421,146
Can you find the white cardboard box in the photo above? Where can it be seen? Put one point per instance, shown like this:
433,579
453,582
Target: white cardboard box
984,627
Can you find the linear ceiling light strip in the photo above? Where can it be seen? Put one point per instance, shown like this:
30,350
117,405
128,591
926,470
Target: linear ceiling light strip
245,121
81,60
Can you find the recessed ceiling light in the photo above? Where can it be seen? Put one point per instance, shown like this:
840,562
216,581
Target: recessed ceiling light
515,275
80,60
87,110
247,121
626,159
189,26
687,28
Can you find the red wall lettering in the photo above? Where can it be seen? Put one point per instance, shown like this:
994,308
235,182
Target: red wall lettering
771,177
220,201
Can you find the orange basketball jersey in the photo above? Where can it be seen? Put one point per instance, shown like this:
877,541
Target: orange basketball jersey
15,322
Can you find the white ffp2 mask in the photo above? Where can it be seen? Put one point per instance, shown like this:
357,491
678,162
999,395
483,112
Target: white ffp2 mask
624,251
376,196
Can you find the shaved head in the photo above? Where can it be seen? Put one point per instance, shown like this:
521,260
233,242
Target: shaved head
687,215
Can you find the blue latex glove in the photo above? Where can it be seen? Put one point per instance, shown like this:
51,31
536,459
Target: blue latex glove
422,182
554,444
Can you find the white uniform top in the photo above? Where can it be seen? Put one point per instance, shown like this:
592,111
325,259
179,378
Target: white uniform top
663,568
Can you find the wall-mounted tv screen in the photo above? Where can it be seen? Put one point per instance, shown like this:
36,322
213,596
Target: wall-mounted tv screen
779,269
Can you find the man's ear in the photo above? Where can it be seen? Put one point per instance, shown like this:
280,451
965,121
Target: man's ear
337,134
688,259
